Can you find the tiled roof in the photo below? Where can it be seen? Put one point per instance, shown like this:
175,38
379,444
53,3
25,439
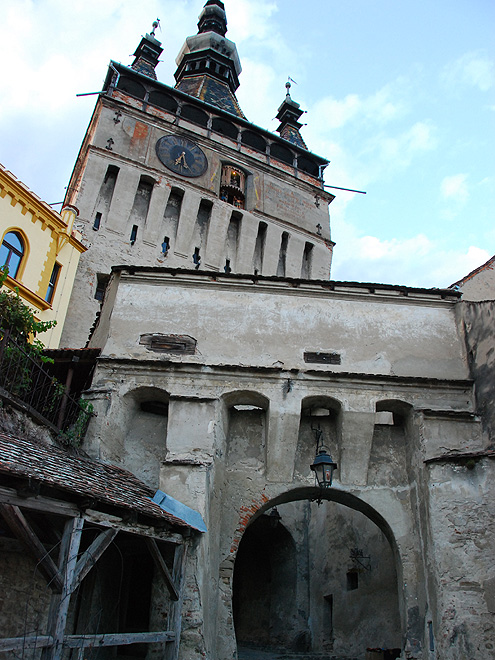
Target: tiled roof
211,91
54,467
488,265
291,134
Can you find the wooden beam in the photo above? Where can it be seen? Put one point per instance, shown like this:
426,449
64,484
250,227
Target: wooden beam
90,556
163,568
108,520
175,610
21,643
22,530
59,607
39,503
117,639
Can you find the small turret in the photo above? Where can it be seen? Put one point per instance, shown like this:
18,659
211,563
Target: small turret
208,65
147,53
288,115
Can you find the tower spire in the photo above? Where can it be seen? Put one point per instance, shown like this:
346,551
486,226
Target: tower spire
288,115
147,53
208,65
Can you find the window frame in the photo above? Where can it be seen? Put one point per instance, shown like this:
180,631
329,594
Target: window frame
13,250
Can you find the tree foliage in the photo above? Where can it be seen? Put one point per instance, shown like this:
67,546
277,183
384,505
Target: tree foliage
19,319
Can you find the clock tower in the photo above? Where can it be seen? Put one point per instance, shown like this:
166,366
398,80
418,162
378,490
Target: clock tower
177,177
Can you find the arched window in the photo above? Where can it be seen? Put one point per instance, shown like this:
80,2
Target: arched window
11,252
132,87
232,186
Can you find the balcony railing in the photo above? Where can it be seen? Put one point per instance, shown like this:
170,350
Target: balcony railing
24,380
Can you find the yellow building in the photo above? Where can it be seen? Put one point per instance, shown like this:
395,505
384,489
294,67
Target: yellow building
41,249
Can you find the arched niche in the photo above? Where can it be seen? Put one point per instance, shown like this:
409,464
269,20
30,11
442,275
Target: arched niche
145,442
308,165
131,87
194,114
224,127
318,413
388,457
254,141
280,152
246,427
164,101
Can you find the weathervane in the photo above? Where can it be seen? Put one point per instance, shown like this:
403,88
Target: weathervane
155,25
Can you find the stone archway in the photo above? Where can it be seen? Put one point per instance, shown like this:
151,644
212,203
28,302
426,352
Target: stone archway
325,582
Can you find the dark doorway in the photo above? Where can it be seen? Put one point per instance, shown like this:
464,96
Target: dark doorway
264,597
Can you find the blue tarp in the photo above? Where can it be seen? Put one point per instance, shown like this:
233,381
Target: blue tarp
175,508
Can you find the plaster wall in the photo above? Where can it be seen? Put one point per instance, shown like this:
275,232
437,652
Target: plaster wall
372,334
196,470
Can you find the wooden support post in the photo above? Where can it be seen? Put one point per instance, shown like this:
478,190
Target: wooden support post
163,568
90,556
22,530
59,606
175,610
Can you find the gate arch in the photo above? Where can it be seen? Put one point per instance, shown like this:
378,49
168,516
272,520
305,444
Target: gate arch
385,558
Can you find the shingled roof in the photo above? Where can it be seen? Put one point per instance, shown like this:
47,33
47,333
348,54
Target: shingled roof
80,476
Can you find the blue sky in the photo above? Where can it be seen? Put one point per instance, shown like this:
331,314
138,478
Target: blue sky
400,97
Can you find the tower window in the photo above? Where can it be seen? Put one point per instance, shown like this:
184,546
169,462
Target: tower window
53,282
97,222
11,252
232,186
134,232
102,280
196,257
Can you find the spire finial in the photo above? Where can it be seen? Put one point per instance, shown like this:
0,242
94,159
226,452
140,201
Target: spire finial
155,24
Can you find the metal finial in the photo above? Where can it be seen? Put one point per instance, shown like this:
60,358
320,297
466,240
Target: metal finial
287,87
155,24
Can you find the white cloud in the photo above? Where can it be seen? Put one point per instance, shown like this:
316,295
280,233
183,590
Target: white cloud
455,188
379,108
250,18
474,69
415,261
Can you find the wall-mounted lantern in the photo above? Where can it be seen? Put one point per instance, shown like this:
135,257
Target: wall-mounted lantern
274,517
323,465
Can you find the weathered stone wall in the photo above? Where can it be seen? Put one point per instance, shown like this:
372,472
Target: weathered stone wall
24,594
477,320
238,441
127,186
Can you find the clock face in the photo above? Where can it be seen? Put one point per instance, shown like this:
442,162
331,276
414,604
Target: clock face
181,155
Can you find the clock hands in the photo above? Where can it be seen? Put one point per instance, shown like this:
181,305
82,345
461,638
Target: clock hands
181,160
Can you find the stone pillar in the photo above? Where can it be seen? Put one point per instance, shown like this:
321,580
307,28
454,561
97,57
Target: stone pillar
217,234
272,250
295,251
188,215
247,242
152,235
283,432
357,440
123,199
